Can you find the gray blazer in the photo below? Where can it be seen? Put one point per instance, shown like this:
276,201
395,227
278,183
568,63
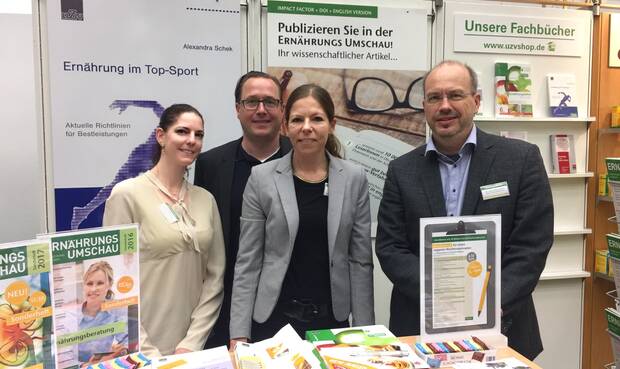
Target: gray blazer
269,223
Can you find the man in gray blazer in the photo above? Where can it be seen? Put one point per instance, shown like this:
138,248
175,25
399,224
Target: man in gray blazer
444,178
224,170
269,225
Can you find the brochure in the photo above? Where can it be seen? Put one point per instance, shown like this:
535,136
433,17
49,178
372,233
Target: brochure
26,305
96,294
285,350
368,347
215,358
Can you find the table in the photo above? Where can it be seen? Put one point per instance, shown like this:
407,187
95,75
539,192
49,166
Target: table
502,353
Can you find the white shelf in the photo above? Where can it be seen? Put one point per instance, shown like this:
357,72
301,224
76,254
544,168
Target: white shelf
549,276
534,119
569,232
570,175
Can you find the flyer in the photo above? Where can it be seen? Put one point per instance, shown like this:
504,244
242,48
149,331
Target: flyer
26,305
461,270
96,294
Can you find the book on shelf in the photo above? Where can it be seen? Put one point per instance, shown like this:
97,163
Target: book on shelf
96,294
562,153
368,347
26,308
513,90
517,135
480,111
562,95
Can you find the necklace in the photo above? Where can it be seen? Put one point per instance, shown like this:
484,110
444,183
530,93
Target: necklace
310,180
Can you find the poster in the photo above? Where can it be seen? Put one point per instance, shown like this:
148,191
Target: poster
113,68
371,59
96,294
26,305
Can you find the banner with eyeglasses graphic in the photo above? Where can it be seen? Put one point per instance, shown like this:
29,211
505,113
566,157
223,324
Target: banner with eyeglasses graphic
371,59
114,66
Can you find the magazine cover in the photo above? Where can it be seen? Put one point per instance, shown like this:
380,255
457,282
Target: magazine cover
25,305
513,90
96,293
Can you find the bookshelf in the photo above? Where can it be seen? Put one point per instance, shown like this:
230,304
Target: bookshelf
562,281
603,142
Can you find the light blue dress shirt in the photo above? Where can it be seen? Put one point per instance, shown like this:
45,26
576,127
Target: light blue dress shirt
454,171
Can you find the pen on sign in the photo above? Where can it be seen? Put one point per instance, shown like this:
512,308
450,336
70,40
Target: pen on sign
483,294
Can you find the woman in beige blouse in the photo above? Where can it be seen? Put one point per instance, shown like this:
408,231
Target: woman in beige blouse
181,245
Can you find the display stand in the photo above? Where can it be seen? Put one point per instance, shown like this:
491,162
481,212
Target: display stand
461,270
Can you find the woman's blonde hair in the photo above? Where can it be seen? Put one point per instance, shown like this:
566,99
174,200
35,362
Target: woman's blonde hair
107,270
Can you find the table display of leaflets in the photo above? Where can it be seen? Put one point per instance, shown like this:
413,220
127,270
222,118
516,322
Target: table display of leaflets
215,358
367,347
562,95
285,350
26,305
96,294
135,360
461,269
513,90
562,153
613,327
613,181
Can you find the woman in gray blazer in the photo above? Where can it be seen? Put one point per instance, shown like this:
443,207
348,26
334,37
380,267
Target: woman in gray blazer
305,255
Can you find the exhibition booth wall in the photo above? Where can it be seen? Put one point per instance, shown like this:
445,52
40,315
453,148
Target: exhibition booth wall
50,173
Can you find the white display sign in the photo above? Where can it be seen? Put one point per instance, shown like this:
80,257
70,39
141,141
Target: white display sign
111,77
314,35
614,40
510,34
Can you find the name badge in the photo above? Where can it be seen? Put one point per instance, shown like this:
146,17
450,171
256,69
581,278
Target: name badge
168,213
495,190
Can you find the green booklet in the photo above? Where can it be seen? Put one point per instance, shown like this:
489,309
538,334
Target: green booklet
513,90
26,310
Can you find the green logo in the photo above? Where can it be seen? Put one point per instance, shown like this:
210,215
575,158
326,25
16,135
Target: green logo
551,46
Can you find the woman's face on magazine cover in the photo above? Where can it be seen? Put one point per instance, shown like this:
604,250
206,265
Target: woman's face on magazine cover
96,287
